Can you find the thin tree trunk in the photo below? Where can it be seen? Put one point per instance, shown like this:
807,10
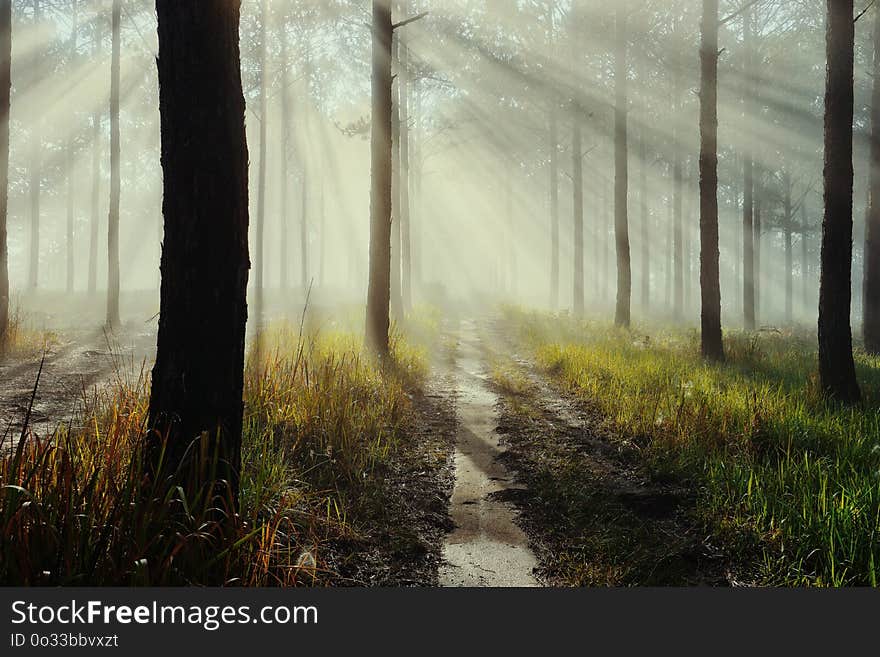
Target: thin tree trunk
749,319
69,165
379,292
286,147
757,241
871,320
115,182
554,179
198,378
805,261
96,169
710,287
405,237
677,220
36,177
305,199
396,180
621,175
836,366
578,205
5,98
646,228
260,237
789,253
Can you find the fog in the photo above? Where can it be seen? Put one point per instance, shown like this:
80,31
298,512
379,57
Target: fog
487,81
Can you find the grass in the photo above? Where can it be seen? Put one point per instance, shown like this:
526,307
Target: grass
320,418
21,341
788,481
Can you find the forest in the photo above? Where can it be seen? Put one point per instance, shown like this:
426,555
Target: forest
460,293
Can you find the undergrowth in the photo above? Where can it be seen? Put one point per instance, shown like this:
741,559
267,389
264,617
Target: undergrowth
320,415
789,481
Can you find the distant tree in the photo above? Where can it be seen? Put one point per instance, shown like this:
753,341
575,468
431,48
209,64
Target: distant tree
871,325
5,94
621,171
553,146
710,285
837,372
260,238
577,156
36,175
96,164
69,164
748,222
198,378
115,182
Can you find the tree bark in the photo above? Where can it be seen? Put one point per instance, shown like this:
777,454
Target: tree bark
405,237
710,286
646,228
5,103
621,174
115,183
836,366
554,177
198,378
677,201
379,289
871,320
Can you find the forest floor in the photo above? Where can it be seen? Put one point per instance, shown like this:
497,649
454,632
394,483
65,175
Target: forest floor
71,365
544,495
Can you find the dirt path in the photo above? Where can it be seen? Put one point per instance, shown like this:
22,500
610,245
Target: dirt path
74,365
486,548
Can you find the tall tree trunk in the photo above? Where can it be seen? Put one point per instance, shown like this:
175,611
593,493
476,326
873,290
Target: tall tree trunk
621,174
405,237
871,323
286,147
5,98
36,177
748,237
646,228
757,242
69,164
578,205
789,253
554,176
396,180
260,237
96,168
379,292
115,182
305,198
836,366
805,261
677,201
710,286
198,378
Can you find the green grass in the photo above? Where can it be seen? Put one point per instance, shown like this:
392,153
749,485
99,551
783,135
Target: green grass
320,417
789,481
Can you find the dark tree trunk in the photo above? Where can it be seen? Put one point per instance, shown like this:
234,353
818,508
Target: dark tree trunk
748,237
578,205
789,253
379,292
69,165
621,175
710,286
871,326
36,177
5,96
836,366
115,183
198,378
